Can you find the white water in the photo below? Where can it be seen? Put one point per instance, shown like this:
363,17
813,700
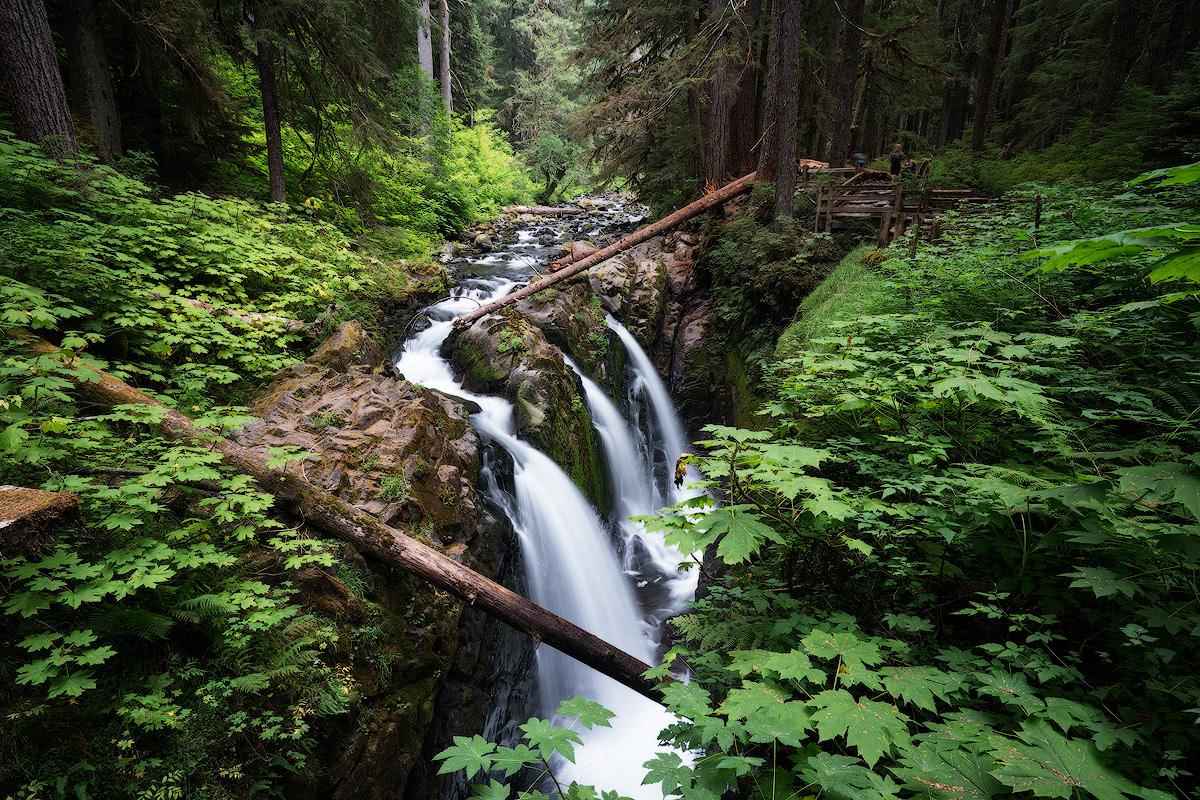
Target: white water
572,566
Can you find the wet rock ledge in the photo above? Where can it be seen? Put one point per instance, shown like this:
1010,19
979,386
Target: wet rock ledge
409,456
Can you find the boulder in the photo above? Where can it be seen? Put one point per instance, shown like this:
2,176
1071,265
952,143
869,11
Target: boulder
633,286
507,354
349,345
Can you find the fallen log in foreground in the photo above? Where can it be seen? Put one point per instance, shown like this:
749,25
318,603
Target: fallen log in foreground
726,192
342,521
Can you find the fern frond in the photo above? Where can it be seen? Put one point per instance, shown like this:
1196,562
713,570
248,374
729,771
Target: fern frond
122,621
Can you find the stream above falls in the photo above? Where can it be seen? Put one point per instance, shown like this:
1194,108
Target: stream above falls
601,571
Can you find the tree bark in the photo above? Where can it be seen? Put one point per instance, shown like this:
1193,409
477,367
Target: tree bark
92,94
989,78
843,99
789,106
32,82
720,103
264,61
343,521
425,40
767,153
1117,53
740,186
444,19
744,122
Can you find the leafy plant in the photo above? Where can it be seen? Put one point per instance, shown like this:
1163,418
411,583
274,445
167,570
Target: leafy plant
546,744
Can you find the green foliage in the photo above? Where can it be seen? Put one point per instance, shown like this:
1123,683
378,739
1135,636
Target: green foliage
961,559
165,633
194,292
160,628
393,488
763,277
544,743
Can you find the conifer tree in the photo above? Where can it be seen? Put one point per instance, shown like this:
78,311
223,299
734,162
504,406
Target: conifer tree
32,82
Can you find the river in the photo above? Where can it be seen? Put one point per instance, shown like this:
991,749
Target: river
609,576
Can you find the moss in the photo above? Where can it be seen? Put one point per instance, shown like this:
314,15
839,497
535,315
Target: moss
850,286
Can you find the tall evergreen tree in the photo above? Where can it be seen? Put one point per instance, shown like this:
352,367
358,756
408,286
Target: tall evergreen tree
989,76
93,98
846,69
32,82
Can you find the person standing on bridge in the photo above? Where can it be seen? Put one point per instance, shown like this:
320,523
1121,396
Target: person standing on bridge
896,157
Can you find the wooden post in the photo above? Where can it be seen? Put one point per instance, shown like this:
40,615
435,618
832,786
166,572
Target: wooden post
885,228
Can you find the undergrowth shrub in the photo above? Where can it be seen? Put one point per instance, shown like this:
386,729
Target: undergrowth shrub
192,292
761,276
961,559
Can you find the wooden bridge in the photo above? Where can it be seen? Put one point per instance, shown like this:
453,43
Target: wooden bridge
895,207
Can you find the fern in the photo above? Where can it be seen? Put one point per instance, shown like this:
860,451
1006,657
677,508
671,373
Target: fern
122,621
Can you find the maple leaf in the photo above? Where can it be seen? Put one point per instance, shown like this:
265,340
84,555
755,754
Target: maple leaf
951,771
793,665
472,754
549,739
590,713
845,777
1050,765
739,531
871,728
842,645
770,713
494,790
920,685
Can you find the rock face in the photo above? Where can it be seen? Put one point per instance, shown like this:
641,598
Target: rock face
655,292
633,287
407,455
506,354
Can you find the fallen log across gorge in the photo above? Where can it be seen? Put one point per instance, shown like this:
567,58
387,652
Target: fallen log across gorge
710,200
543,211
339,519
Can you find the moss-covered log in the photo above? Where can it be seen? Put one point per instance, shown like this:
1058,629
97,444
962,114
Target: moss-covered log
368,534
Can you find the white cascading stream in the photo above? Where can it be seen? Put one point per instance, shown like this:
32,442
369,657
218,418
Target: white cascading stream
571,564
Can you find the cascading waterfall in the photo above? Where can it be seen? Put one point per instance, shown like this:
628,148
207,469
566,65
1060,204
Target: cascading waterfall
571,563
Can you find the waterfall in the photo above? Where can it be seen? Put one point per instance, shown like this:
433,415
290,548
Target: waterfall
572,565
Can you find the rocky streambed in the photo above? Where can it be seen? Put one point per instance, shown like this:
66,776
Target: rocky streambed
424,666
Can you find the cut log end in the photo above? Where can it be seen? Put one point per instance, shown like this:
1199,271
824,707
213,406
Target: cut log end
29,516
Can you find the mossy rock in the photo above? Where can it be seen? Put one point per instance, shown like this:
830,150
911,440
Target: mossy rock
550,412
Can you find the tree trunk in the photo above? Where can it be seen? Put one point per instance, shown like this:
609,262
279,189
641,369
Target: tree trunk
843,101
950,123
989,77
693,92
264,62
720,103
391,546
444,19
789,107
91,85
1117,53
767,152
710,200
744,129
425,40
32,82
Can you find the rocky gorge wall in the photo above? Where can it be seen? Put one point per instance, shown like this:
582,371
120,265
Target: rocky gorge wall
424,667
414,654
